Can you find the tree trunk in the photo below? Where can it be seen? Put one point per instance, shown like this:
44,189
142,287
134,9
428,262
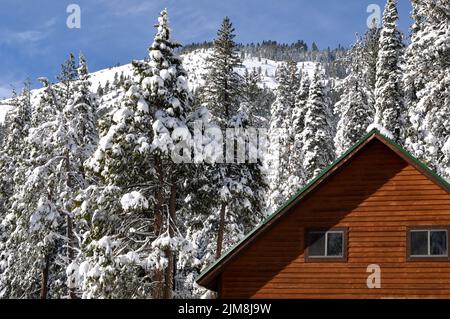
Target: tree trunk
159,197
169,272
69,230
44,278
158,278
221,230
70,252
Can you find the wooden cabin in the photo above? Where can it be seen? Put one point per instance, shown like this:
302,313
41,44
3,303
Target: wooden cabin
373,225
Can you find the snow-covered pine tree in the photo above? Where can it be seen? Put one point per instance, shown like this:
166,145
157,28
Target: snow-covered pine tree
301,99
221,94
296,177
99,90
17,124
221,91
167,92
139,138
389,107
235,189
2,133
227,199
278,140
107,87
258,99
79,138
292,167
355,109
370,48
317,136
117,207
34,223
40,243
294,82
298,96
196,219
47,106
281,137
426,81
67,75
11,159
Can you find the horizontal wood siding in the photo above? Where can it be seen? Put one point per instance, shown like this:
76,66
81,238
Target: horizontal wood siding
376,196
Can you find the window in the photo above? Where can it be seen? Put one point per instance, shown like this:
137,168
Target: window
428,243
325,244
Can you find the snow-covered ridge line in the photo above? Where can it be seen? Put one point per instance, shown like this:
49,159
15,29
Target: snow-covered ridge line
195,64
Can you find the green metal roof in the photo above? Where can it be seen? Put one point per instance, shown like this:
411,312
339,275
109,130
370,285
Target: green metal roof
407,154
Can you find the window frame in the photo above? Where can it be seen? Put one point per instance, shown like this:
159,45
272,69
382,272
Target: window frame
427,228
342,258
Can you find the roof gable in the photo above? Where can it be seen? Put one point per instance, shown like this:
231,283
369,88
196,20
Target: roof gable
208,278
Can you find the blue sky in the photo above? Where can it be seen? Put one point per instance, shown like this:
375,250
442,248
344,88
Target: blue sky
35,40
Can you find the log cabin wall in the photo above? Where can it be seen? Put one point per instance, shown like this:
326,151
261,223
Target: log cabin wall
376,196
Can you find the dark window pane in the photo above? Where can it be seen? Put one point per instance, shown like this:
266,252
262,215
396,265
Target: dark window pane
335,244
438,242
316,246
419,243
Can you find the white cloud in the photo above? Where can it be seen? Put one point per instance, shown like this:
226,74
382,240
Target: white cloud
50,22
121,8
32,36
17,37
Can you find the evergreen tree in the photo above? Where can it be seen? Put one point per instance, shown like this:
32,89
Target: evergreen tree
388,95
297,177
317,137
258,100
277,140
355,107
17,126
235,188
426,81
139,137
99,90
294,177
221,91
66,77
81,138
119,227
11,159
281,136
301,99
172,101
40,242
2,133
368,58
34,223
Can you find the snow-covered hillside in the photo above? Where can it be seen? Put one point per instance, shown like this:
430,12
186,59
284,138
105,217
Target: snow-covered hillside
3,110
195,64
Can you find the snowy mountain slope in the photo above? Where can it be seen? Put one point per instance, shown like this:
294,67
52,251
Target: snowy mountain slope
3,110
102,76
195,64
5,106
